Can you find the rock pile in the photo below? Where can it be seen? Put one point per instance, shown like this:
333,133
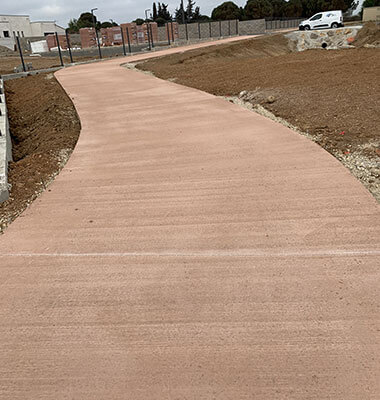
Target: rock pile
323,39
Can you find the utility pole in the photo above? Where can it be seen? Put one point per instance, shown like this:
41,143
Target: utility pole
147,27
183,12
96,32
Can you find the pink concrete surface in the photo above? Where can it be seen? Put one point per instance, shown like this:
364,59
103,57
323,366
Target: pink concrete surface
190,249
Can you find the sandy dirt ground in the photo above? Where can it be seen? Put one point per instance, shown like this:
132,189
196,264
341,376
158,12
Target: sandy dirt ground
44,129
332,96
8,63
190,249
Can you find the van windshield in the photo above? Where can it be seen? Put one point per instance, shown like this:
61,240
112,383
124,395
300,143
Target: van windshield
317,16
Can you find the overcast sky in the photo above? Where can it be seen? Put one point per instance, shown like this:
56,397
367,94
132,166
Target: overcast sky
119,10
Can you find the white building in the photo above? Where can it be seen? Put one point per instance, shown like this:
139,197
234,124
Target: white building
12,26
357,8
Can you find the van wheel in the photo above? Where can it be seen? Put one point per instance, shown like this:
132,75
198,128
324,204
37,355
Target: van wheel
307,28
334,25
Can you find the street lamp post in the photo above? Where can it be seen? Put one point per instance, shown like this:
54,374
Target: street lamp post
96,32
147,27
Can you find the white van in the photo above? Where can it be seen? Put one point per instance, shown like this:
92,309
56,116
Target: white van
326,19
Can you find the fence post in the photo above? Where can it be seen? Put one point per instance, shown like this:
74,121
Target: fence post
209,25
167,30
148,34
187,33
20,51
172,31
229,28
69,46
59,49
98,42
151,34
129,41
220,28
123,41
237,27
199,30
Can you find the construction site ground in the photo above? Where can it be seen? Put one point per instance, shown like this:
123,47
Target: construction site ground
44,129
189,249
332,96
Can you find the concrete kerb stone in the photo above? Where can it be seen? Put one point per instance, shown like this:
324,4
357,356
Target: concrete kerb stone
5,146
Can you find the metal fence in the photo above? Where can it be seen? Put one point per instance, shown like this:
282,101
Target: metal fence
186,32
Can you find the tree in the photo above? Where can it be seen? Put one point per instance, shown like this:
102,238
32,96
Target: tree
196,14
258,9
293,9
73,26
84,21
138,21
371,3
160,21
326,5
278,8
163,12
107,24
190,9
180,14
189,14
227,10
155,15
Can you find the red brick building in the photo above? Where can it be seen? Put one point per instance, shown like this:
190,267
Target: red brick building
173,29
111,36
51,41
139,33
87,37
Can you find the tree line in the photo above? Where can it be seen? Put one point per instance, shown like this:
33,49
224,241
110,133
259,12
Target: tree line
189,12
277,9
253,9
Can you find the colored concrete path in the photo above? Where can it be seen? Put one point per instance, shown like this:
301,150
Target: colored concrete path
190,249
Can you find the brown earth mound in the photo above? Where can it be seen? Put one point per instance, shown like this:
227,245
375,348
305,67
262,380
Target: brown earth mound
369,34
44,127
273,45
332,95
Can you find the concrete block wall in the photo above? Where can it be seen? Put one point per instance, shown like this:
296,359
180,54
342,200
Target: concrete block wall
5,146
283,24
163,33
217,29
204,30
252,27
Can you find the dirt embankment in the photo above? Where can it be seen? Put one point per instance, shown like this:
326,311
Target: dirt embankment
332,95
9,62
368,36
45,128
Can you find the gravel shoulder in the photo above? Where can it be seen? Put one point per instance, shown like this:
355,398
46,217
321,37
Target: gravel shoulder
333,97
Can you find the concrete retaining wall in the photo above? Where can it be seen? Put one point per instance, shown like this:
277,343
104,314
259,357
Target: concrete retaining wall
252,27
5,146
327,38
216,29
371,14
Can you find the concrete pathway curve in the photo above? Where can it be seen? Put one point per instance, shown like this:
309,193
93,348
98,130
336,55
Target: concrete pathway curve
190,249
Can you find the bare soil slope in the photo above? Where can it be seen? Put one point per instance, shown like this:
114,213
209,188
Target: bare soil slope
334,96
44,128
368,35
